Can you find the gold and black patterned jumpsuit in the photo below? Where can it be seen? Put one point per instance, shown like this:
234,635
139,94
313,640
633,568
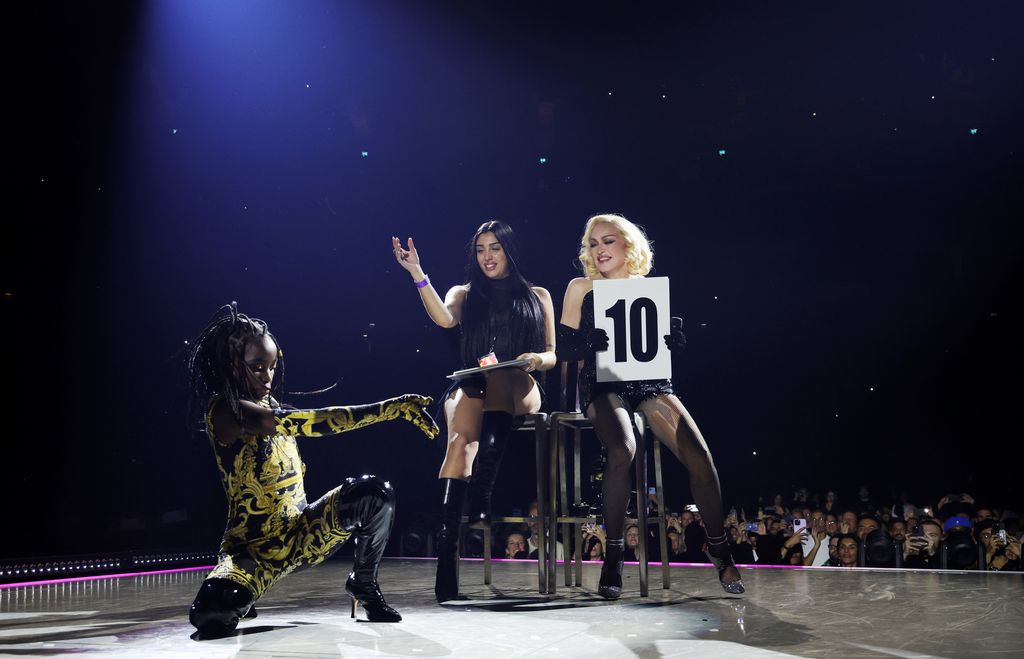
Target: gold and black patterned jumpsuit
271,530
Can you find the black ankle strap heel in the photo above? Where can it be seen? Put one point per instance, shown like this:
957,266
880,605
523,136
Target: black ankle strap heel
718,552
610,585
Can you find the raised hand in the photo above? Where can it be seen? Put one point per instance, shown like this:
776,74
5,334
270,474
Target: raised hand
1012,550
675,339
914,545
407,258
412,408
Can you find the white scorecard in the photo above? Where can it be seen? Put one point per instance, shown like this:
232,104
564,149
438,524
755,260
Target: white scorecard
635,313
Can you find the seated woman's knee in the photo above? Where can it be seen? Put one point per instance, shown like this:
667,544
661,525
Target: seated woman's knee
620,453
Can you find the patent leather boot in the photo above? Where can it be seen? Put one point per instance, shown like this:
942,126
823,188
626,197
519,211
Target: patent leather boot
494,430
453,496
368,510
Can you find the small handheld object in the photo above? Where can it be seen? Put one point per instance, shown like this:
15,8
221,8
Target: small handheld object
799,525
751,527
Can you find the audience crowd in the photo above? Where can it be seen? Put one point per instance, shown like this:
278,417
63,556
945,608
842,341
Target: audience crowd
956,533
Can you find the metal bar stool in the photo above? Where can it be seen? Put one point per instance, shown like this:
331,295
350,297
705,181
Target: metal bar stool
569,514
538,425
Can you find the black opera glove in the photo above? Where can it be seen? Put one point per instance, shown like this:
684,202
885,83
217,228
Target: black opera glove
334,420
574,345
597,340
569,346
675,339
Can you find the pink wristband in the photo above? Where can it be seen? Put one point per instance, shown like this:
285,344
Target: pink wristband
425,282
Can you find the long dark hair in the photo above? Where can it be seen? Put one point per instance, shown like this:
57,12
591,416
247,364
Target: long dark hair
213,359
526,323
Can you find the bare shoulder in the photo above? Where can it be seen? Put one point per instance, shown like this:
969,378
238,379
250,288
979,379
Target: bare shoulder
542,293
578,287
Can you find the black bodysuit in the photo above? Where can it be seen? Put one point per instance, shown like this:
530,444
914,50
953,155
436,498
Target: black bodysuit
499,339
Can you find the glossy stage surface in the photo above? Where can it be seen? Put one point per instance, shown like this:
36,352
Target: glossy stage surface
786,612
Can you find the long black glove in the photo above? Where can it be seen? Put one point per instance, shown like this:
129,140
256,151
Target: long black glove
675,339
574,345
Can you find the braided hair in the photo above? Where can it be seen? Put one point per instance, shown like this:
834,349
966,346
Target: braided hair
213,358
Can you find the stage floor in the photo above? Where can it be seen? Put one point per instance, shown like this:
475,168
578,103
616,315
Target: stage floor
785,612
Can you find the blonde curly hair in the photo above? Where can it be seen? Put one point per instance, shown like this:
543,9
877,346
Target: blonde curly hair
639,255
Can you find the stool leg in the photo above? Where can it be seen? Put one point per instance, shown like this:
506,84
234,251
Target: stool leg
659,487
553,441
577,490
540,435
487,554
567,528
641,508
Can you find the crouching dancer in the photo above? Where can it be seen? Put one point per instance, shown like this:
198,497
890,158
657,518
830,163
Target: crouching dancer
271,530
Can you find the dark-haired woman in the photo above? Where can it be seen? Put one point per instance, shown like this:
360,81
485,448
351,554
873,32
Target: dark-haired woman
499,313
612,247
271,530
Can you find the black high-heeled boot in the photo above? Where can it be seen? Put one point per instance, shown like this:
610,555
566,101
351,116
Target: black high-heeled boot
494,430
610,585
218,607
368,509
718,552
453,496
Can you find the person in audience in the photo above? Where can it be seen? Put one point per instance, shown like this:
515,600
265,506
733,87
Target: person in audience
846,550
515,545
921,550
815,542
848,521
898,529
865,525
632,543
535,534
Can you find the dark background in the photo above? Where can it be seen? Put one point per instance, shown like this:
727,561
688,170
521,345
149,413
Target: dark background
171,157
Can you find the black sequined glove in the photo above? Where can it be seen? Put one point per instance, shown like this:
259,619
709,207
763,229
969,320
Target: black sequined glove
573,345
675,339
597,340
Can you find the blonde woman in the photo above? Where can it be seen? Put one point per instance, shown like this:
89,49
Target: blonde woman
614,248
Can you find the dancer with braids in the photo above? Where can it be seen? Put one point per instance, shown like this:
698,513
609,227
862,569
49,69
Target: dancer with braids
501,314
614,248
271,530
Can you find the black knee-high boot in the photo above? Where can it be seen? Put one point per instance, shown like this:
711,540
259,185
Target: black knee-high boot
219,606
367,509
453,496
494,430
